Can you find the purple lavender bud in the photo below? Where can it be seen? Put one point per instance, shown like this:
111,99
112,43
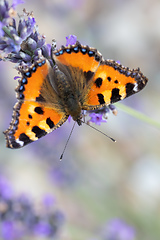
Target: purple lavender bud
97,118
26,27
113,109
46,49
6,5
71,40
17,39
3,9
31,44
23,33
17,77
41,42
35,35
38,52
30,24
3,46
25,56
14,57
21,25
11,47
1,29
16,2
2,41
12,30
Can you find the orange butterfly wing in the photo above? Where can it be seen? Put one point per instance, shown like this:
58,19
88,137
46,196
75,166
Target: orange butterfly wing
108,81
34,114
112,82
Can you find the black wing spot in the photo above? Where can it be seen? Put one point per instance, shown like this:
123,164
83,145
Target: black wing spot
40,98
100,98
27,123
50,123
109,79
116,81
129,89
30,116
38,131
14,145
115,95
39,110
88,75
98,82
24,138
97,57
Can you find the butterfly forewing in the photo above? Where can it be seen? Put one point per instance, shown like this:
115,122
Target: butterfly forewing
37,112
79,56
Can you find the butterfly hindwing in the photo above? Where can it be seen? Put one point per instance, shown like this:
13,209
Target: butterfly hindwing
35,114
112,82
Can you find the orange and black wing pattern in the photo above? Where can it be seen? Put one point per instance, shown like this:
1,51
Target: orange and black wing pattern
35,114
112,82
81,62
103,81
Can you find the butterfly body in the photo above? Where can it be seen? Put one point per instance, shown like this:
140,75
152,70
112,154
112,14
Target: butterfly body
79,80
63,90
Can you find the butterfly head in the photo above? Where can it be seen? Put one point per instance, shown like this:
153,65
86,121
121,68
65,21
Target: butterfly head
79,121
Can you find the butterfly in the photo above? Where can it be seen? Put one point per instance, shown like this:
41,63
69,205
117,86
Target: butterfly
79,80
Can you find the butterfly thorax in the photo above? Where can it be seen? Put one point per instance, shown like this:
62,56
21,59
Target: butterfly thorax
70,101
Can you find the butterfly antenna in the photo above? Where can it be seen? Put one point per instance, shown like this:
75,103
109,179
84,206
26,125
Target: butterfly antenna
112,139
67,141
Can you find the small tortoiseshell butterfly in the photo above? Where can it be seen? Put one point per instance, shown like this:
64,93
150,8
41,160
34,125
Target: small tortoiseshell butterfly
80,80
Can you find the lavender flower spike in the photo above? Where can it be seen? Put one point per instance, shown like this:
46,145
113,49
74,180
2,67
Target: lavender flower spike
6,13
20,44
10,37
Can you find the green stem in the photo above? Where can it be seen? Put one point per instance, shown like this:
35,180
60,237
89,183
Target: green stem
6,30
138,115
